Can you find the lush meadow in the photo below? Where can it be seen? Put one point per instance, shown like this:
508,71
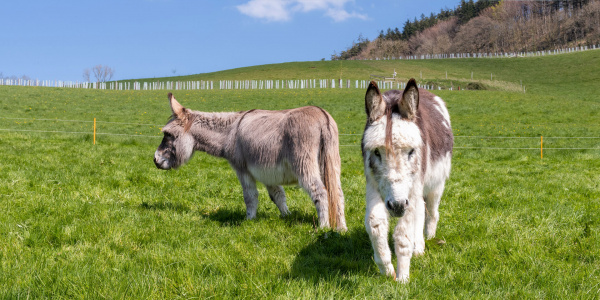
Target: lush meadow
79,220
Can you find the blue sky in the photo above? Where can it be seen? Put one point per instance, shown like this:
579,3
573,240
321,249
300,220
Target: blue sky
57,40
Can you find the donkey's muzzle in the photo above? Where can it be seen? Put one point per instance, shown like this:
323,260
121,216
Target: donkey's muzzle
397,208
161,163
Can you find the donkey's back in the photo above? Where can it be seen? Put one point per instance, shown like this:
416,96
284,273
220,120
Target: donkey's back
268,138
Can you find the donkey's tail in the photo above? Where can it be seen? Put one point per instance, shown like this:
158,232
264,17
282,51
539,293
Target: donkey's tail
330,174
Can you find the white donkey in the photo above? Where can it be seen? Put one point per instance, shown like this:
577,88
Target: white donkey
407,150
295,146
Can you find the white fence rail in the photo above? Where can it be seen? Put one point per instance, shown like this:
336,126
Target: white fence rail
490,54
210,85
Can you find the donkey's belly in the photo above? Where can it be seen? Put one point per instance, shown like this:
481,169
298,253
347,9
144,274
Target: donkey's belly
437,173
278,175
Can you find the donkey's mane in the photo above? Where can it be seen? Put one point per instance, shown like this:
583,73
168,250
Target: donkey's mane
392,100
211,120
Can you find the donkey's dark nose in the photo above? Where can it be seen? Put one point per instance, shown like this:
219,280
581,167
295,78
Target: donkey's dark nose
160,163
397,207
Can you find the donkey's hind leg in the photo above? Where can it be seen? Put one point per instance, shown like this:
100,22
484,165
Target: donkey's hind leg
316,190
277,195
419,223
250,193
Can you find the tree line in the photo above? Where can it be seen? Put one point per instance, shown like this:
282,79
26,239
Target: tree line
465,11
487,26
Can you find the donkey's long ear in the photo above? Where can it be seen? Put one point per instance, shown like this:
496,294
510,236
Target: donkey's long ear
178,109
410,100
374,105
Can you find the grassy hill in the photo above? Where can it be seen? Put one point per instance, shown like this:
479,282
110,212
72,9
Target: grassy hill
79,220
559,73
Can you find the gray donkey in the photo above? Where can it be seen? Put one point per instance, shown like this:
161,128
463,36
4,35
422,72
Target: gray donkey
294,146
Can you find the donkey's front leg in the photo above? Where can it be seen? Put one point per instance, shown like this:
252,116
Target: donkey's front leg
404,243
377,225
277,195
250,193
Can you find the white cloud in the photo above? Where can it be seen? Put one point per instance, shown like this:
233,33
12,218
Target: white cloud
282,10
340,15
271,10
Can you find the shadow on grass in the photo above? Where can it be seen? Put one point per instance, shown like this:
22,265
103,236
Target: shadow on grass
334,254
162,205
227,216
300,217
235,217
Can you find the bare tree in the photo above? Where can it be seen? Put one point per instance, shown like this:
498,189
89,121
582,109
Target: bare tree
102,73
86,75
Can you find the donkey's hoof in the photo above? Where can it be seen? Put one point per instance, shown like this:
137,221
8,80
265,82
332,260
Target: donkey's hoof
419,248
402,278
342,228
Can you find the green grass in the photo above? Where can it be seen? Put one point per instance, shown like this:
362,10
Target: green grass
79,220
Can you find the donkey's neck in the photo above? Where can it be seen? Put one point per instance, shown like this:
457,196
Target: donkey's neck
210,130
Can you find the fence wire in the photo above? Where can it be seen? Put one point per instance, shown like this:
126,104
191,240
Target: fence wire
341,134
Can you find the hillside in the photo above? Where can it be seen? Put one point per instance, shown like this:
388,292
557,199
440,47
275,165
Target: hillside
508,26
506,73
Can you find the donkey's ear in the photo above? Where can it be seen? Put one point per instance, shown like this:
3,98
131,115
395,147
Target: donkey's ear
410,100
374,105
178,109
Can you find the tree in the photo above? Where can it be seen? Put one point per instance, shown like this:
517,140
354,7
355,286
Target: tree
86,75
101,73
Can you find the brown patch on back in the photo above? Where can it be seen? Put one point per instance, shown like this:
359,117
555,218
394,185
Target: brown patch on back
438,137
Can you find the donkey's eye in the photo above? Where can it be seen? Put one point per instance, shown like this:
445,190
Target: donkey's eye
376,153
410,153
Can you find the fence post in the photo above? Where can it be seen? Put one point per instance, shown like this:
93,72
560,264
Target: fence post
94,131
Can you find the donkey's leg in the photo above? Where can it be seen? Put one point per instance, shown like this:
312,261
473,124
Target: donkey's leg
277,195
376,223
432,200
404,241
419,224
341,209
250,193
316,190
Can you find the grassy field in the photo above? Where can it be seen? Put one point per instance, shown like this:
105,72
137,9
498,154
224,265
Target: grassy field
79,220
